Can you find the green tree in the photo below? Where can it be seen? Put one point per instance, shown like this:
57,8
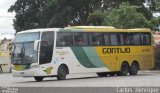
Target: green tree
60,13
96,18
153,5
111,4
126,16
27,13
155,23
52,13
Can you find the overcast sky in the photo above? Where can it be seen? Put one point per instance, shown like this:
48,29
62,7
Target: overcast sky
6,19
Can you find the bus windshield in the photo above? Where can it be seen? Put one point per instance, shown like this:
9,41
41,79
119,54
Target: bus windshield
23,50
26,37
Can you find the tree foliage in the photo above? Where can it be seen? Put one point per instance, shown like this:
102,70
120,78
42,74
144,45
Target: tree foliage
96,18
68,12
27,13
52,13
111,4
153,5
126,16
60,13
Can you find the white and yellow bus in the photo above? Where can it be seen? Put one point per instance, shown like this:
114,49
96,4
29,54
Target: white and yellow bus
103,50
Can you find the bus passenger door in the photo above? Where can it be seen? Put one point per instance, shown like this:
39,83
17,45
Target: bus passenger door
46,47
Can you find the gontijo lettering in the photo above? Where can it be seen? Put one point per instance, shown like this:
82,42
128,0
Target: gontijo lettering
115,50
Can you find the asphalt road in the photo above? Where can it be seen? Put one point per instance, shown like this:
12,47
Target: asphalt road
143,79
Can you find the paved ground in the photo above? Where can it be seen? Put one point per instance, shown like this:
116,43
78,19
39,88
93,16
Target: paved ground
143,79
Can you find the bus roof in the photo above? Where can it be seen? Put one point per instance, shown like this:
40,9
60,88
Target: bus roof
103,29
91,27
88,29
40,30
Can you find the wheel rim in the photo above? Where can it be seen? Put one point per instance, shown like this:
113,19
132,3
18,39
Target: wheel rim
134,68
62,72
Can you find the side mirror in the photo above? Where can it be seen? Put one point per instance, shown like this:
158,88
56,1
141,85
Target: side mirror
36,45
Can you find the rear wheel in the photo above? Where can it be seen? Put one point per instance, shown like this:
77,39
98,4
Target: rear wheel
124,69
112,74
118,73
134,68
38,78
102,74
62,72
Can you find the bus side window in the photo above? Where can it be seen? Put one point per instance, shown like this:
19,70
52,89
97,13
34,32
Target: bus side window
131,39
68,40
80,39
64,39
96,39
120,39
114,40
107,39
146,39
136,39
126,39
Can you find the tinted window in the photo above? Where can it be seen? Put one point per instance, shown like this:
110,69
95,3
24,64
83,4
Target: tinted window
96,39
107,39
145,37
100,39
64,39
80,39
126,39
136,38
120,39
114,39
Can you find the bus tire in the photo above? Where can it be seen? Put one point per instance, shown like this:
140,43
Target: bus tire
124,69
102,74
62,72
118,74
134,68
38,79
112,74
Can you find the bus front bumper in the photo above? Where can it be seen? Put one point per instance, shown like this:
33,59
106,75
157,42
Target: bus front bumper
25,73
